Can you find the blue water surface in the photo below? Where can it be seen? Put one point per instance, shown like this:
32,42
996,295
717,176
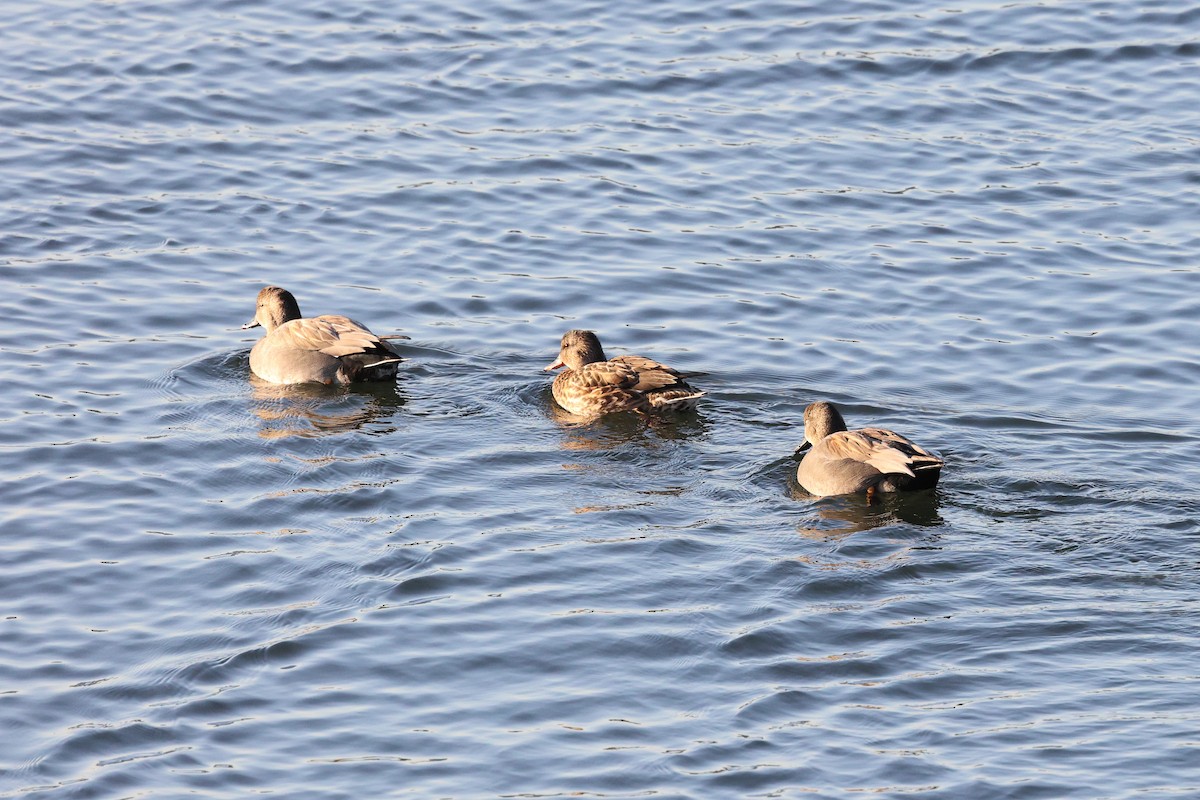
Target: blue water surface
974,223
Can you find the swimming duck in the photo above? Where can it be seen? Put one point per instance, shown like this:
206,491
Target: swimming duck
870,459
327,349
593,384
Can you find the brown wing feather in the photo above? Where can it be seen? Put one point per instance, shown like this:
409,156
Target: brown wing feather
334,335
893,439
652,374
849,444
656,379
863,447
643,364
606,374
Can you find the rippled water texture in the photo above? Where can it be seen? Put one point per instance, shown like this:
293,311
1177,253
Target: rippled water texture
975,223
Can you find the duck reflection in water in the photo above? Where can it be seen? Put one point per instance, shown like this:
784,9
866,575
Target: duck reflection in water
846,514
311,410
610,431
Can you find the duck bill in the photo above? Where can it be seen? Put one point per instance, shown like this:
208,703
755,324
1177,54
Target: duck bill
251,324
558,364
805,445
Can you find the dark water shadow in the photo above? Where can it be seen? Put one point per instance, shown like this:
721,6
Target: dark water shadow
216,387
848,514
845,514
612,430
316,410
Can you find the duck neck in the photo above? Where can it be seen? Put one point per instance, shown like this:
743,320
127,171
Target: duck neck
820,420
284,309
588,353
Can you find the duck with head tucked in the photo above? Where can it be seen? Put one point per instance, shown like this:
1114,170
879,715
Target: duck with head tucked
593,384
329,349
869,460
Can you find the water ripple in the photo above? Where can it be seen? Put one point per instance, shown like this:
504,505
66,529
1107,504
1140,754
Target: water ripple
973,224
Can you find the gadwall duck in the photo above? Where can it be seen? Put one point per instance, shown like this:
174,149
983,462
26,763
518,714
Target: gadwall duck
867,460
592,384
327,349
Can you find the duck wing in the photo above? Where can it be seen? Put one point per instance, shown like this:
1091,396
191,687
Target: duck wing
334,335
651,374
918,457
865,448
606,375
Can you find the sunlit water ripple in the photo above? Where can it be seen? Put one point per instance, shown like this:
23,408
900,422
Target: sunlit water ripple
975,224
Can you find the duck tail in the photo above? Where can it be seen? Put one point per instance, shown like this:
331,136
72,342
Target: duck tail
379,370
683,401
